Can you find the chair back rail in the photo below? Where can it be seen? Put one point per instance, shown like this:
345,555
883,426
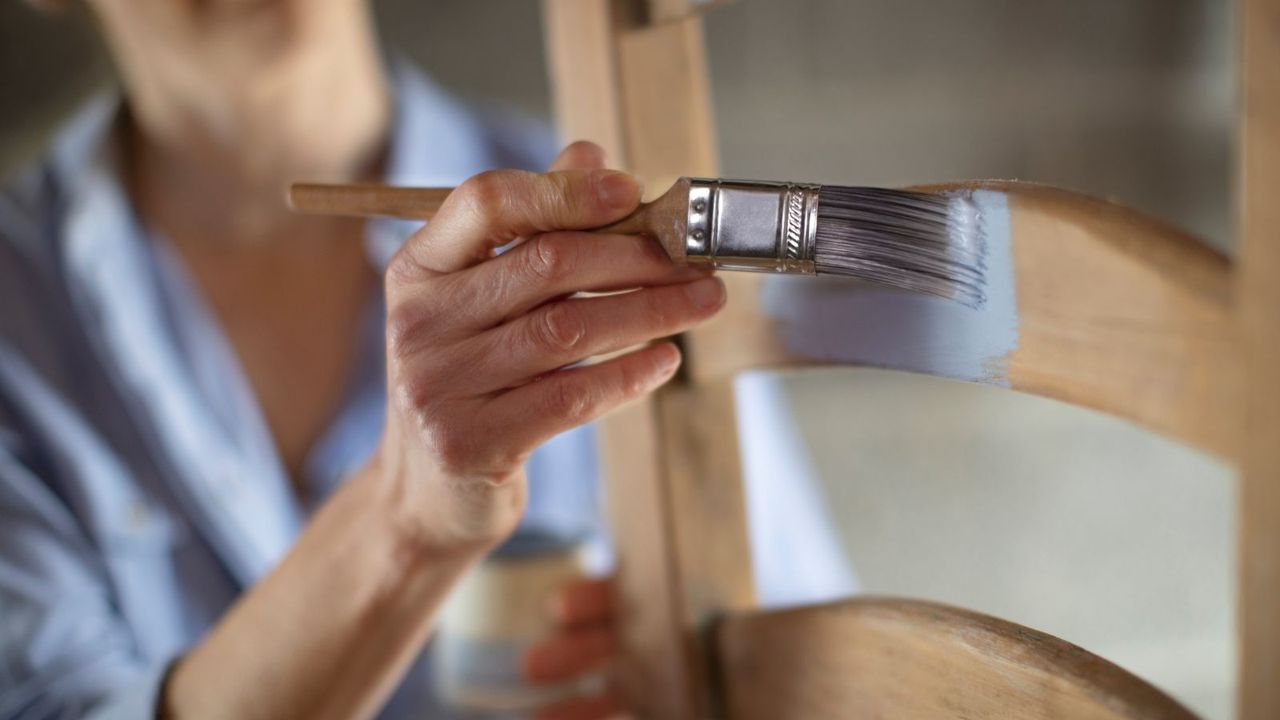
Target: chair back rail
1089,302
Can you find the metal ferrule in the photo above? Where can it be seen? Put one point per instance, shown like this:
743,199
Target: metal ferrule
757,226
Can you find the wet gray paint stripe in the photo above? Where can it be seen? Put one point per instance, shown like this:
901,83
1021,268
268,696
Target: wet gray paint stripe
838,320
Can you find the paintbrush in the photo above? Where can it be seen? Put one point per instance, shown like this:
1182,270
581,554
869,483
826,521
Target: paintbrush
925,242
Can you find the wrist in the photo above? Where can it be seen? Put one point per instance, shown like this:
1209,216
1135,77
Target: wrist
335,623
436,517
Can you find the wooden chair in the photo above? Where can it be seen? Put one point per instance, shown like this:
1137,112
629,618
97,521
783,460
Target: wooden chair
894,658
1168,335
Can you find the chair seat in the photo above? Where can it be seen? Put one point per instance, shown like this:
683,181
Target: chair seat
897,658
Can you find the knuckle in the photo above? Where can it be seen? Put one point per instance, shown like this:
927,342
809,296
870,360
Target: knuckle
407,324
504,459
414,395
487,193
544,260
487,186
569,401
632,380
559,327
452,448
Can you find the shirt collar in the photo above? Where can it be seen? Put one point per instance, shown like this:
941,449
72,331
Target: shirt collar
242,507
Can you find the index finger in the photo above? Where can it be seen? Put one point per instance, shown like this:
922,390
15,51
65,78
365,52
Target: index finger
496,207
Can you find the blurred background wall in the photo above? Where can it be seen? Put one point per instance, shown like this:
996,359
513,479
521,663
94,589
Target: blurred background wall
1053,516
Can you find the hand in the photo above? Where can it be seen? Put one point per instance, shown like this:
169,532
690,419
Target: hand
584,642
482,350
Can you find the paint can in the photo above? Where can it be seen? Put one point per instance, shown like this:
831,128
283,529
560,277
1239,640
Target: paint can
497,612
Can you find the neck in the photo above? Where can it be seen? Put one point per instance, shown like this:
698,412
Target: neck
218,133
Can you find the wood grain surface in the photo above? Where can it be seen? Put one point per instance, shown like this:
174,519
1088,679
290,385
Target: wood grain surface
904,659
1259,299
640,90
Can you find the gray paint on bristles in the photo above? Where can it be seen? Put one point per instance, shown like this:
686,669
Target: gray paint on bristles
922,242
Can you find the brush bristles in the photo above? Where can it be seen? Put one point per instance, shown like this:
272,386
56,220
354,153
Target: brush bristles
922,242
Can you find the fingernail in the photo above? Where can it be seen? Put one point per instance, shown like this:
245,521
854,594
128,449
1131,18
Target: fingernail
619,190
706,293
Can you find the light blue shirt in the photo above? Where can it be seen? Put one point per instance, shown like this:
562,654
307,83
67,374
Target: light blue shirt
140,490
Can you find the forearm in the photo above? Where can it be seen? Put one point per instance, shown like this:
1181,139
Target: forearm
332,629
483,367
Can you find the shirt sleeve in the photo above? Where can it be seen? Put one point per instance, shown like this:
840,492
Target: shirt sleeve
64,649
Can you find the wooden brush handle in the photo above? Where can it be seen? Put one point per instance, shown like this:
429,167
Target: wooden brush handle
662,219
367,200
